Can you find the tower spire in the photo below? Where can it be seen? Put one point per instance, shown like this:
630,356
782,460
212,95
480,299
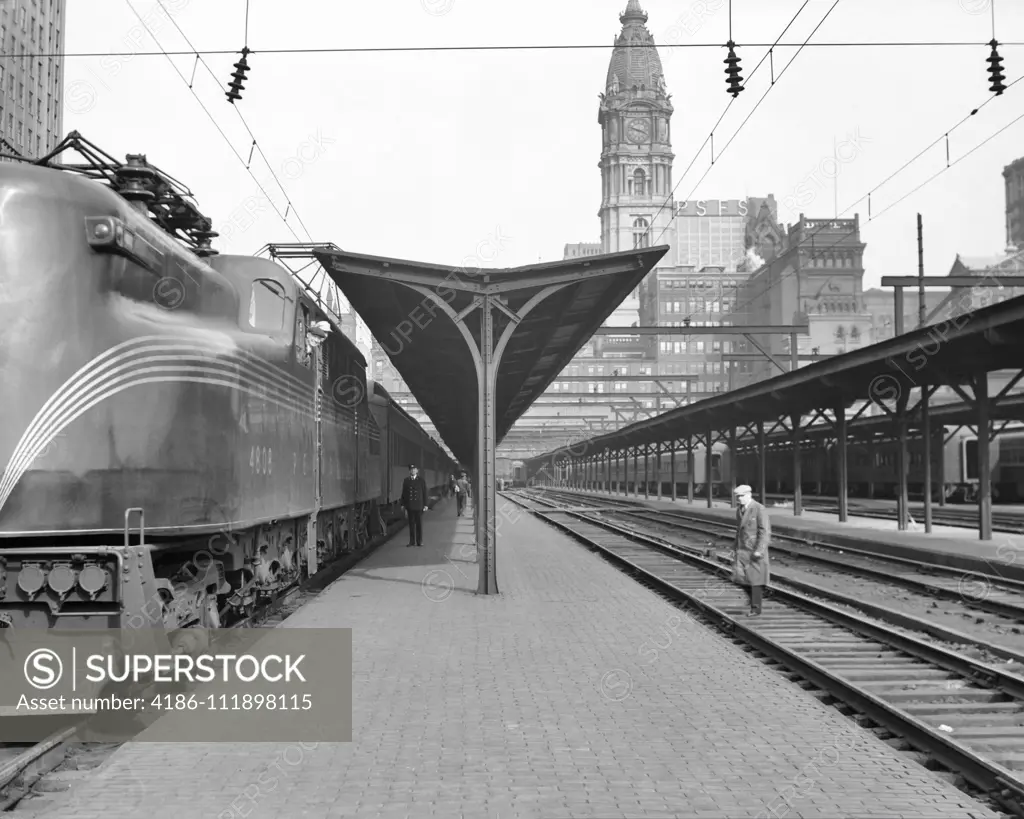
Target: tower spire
633,12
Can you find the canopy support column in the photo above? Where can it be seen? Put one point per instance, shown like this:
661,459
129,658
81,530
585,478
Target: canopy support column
762,465
672,467
709,486
842,472
926,455
984,461
486,353
689,467
798,492
902,504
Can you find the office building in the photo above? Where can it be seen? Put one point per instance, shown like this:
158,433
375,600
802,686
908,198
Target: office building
31,87
1013,174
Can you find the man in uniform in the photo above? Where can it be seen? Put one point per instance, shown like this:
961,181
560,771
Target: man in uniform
750,552
414,501
461,494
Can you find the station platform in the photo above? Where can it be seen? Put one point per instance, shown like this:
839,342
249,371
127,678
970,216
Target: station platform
952,546
576,692
916,506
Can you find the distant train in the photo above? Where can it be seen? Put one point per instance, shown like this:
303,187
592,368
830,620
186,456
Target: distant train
203,399
871,468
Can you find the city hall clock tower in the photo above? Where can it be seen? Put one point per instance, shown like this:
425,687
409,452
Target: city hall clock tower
636,154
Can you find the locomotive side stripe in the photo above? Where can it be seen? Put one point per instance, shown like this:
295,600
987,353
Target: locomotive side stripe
66,400
216,362
250,375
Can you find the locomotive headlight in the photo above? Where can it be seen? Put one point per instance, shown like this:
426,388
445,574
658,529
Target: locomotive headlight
102,230
31,579
92,580
62,579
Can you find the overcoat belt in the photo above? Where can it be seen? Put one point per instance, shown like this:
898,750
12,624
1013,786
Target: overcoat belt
753,534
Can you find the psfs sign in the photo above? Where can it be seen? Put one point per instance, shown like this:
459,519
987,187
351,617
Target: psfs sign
712,207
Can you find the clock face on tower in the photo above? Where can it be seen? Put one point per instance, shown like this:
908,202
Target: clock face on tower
638,131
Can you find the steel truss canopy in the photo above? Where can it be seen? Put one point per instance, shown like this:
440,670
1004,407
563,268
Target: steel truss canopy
953,352
477,347
398,301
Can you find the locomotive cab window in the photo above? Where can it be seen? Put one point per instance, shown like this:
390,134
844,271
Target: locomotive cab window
266,305
302,353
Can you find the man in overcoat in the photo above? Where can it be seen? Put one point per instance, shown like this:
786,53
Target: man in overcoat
750,553
414,501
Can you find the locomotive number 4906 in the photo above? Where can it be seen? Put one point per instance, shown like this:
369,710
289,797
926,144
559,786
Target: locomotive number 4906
261,460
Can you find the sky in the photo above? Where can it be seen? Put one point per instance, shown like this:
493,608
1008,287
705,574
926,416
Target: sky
490,157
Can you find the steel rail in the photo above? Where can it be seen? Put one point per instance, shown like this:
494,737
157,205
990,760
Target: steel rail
995,780
1010,586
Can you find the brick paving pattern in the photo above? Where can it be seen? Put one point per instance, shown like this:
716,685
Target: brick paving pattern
576,693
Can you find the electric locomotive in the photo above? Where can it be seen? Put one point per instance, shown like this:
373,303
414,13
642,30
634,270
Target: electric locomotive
184,434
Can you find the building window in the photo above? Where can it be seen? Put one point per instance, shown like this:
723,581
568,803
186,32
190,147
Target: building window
639,180
641,233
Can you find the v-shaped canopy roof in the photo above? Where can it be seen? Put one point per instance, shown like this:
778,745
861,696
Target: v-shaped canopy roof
415,309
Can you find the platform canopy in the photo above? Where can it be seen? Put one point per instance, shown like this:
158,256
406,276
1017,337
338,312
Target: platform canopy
953,352
562,304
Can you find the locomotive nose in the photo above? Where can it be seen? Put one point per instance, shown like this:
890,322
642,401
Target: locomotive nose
47,278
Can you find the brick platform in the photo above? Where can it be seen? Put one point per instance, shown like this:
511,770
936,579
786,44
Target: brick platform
953,546
575,693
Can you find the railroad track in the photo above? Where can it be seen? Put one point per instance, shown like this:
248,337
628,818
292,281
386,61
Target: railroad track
44,757
990,593
1010,523
962,714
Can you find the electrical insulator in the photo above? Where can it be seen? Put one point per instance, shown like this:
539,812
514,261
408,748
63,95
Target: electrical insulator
732,71
995,69
238,77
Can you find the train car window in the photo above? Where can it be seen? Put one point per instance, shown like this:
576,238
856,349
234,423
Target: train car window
266,305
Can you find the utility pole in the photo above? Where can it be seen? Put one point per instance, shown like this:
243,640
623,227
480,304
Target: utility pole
920,273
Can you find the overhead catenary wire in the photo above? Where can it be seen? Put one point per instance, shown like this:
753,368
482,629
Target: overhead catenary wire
809,240
711,137
215,123
527,47
255,143
756,105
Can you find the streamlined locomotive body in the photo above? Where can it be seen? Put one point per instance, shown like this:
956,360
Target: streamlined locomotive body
183,434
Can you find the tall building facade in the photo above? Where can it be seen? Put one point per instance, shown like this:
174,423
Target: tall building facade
31,88
636,148
1013,174
812,273
698,280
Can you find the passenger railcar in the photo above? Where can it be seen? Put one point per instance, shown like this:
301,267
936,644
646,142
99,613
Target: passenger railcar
200,405
871,468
